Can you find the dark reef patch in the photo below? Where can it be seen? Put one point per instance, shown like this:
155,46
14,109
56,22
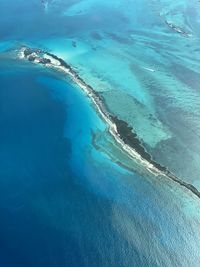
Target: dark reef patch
96,36
74,44
118,39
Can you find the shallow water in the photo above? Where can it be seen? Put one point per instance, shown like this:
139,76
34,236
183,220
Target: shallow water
114,48
66,197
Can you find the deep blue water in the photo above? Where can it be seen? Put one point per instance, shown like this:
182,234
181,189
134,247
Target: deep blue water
33,153
64,198
63,202
38,191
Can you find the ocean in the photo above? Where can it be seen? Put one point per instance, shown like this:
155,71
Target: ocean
69,195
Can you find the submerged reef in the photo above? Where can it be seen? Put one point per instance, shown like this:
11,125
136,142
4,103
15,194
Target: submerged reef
120,130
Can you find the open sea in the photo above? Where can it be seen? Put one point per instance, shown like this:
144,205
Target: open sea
69,195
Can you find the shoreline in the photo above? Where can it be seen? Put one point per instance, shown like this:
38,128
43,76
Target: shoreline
119,129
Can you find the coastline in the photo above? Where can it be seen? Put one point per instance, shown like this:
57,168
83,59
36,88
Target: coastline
119,129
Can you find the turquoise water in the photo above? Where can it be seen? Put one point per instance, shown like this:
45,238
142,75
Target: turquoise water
68,195
120,45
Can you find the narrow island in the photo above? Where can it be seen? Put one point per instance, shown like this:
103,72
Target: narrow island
176,28
119,129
